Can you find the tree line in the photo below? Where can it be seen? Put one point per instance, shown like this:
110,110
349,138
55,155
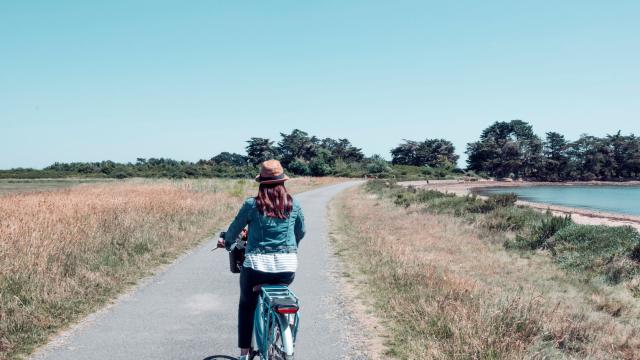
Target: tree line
300,153
307,155
504,150
512,150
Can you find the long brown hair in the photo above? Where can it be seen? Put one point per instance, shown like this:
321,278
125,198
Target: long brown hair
273,200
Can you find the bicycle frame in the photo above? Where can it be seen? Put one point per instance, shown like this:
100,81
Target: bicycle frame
267,320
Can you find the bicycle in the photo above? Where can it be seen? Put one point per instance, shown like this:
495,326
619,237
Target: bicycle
275,323
276,319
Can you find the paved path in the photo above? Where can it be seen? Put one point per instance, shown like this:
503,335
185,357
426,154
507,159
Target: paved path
189,310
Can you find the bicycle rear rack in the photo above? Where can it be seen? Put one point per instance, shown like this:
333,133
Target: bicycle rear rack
272,293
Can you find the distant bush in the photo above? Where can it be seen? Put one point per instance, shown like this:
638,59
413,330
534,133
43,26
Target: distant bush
509,218
407,172
299,167
120,175
349,169
404,199
318,167
437,172
378,186
425,196
378,166
413,196
541,233
492,203
412,172
502,200
455,205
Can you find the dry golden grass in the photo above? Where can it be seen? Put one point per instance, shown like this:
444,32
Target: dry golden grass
64,253
301,184
12,186
445,292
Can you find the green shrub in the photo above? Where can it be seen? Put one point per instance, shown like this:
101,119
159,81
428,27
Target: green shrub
456,205
541,232
378,166
501,200
407,172
425,196
120,175
437,172
317,167
381,187
412,196
492,203
510,218
299,167
404,199
348,169
549,226
619,269
599,249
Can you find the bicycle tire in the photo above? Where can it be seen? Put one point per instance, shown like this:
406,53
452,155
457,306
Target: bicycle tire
277,347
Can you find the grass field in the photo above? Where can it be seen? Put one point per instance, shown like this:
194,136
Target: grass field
65,253
12,186
445,287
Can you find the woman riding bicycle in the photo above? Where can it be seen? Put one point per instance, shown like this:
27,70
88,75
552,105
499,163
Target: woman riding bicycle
276,226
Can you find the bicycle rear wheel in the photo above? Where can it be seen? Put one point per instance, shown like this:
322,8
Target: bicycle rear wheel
281,344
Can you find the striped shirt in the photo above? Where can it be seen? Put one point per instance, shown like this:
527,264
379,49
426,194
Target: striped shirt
272,263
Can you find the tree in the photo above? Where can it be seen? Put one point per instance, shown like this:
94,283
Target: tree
481,156
322,164
377,165
506,149
436,153
318,167
342,149
631,165
231,159
260,149
556,161
405,154
299,167
587,158
297,145
624,152
533,159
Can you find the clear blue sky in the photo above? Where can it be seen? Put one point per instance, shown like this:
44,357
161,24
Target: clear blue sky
97,80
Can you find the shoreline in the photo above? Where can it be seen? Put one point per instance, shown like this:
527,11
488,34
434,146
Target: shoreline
578,215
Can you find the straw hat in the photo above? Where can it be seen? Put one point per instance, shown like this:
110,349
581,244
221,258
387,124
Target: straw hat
271,172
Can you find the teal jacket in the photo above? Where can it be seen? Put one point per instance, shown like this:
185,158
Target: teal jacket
267,234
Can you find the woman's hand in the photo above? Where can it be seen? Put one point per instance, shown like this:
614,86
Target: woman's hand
220,242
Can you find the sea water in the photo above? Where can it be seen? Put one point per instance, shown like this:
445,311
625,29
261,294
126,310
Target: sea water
613,199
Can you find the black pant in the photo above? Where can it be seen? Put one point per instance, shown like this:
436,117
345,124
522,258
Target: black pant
249,299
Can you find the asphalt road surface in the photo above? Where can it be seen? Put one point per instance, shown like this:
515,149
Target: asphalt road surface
188,311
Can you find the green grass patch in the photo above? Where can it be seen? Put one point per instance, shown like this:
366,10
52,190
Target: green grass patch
609,251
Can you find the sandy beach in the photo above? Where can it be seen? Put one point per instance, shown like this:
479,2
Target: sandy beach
580,216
